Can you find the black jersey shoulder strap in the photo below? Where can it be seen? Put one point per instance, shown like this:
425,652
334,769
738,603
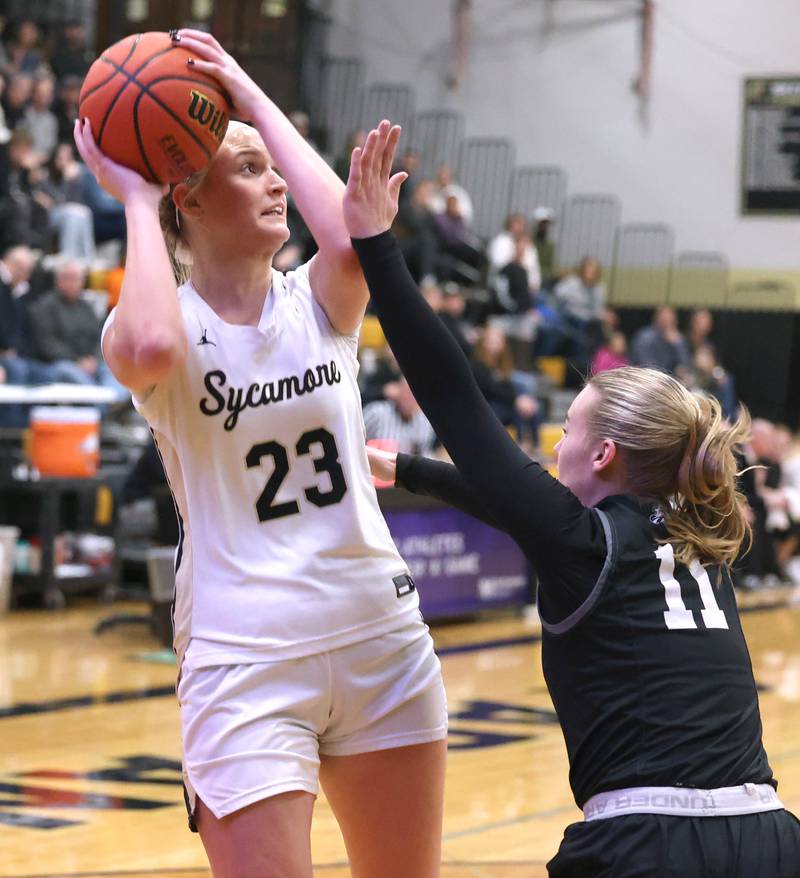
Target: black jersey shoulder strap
586,607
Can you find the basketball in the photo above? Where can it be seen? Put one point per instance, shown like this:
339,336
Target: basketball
151,112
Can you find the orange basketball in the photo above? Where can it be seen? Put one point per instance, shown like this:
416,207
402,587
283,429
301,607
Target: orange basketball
150,111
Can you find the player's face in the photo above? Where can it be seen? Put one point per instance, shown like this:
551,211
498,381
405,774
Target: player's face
577,448
243,196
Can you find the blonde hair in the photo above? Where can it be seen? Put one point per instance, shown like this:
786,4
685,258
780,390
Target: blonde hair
177,244
678,451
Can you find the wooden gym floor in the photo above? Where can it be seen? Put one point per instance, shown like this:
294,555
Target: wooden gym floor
89,748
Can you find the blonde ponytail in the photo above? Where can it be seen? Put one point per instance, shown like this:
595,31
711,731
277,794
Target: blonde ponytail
679,452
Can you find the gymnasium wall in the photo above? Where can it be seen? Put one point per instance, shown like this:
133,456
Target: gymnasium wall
555,76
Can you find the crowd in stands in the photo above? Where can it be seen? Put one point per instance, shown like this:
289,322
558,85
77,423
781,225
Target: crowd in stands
506,300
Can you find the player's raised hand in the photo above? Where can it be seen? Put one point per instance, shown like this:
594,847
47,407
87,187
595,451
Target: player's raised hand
119,181
370,198
209,57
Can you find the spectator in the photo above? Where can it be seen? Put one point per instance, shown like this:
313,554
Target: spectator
410,162
660,344
22,219
302,123
5,131
449,304
61,193
509,393
448,188
460,256
67,330
17,361
378,370
575,329
543,217
416,232
502,249
16,98
39,120
71,57
698,333
400,419
342,164
3,52
511,285
612,355
23,56
758,481
705,376
66,106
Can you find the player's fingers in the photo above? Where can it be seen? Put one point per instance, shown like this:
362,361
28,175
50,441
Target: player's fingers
180,35
354,177
389,150
201,49
368,154
395,183
380,145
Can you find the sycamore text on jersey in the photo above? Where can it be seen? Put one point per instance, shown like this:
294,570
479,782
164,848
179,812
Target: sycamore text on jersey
238,398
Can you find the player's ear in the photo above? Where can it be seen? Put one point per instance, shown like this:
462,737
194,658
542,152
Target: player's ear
605,454
184,198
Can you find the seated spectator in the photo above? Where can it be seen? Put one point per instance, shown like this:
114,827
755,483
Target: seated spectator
400,419
39,119
449,304
61,194
660,344
378,370
71,56
704,375
545,249
16,98
22,219
23,54
510,393
66,106
502,250
5,131
67,330
698,332
17,356
576,330
410,162
511,285
460,256
759,479
416,232
447,187
342,164
611,355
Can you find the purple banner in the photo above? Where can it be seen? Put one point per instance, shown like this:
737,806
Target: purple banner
459,564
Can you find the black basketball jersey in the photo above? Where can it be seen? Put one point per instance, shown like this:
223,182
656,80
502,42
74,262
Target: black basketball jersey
650,676
644,658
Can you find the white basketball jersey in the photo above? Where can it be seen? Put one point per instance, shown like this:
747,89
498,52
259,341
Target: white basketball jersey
283,550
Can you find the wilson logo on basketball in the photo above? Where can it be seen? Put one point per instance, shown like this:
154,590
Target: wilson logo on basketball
203,111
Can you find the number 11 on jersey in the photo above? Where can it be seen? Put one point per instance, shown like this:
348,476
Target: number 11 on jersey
676,615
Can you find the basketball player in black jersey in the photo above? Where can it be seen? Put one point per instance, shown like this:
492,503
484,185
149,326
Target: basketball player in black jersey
642,647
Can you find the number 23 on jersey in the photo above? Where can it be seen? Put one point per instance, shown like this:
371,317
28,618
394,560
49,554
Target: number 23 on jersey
327,462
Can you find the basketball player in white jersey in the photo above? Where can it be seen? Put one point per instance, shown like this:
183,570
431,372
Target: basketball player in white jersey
301,649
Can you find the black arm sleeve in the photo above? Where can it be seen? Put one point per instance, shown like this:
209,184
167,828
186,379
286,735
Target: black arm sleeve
442,481
543,516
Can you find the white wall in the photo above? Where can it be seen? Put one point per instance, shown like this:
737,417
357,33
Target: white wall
563,94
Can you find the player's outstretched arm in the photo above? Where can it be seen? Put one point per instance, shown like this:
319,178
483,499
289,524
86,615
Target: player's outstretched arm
147,339
518,490
336,278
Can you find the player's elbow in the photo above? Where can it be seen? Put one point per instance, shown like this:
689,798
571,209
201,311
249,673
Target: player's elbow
146,358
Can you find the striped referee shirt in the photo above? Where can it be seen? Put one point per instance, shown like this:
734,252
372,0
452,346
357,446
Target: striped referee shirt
382,420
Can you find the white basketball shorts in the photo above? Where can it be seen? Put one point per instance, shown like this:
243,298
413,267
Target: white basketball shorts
257,730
